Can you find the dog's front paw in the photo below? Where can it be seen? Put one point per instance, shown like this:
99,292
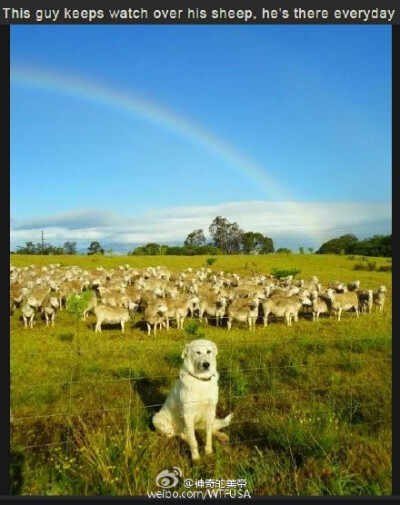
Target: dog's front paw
222,437
208,450
229,417
195,456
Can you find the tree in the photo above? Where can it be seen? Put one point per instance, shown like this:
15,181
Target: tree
219,232
284,250
235,234
336,245
50,249
252,242
40,248
225,235
311,250
196,238
378,245
138,251
70,247
29,248
301,250
95,248
150,249
268,246
192,251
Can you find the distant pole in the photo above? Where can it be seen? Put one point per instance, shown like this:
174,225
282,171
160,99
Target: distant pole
42,242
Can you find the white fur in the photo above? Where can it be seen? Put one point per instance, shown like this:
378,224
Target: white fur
193,400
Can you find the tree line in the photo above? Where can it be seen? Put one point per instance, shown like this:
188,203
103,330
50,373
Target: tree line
226,238
378,245
69,248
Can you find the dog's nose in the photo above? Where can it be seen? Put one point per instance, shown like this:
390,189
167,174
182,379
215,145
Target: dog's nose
206,365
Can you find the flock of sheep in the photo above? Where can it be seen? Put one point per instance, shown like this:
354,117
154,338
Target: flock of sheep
161,295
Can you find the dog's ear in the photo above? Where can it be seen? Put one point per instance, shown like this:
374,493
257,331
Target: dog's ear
185,351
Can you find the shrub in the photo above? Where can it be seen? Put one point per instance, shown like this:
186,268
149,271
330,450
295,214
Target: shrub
358,266
284,272
370,266
284,250
76,304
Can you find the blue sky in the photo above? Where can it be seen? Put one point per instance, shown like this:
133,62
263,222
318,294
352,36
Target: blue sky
134,134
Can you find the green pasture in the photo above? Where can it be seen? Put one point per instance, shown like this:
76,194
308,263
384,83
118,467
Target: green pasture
311,402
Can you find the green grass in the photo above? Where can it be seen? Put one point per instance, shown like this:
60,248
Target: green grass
311,403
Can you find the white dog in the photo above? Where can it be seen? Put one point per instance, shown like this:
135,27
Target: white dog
192,402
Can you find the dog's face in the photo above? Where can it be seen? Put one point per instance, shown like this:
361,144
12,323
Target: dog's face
199,357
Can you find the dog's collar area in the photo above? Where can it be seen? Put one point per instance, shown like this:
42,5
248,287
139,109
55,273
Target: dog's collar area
204,379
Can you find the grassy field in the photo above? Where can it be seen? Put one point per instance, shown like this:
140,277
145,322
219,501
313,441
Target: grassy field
311,402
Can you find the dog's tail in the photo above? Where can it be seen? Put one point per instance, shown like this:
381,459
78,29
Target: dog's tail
222,423
163,424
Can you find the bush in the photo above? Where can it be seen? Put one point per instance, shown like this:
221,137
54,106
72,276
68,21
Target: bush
284,250
359,266
284,272
76,304
370,266
385,268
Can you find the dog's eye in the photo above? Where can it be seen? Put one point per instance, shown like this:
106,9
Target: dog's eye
208,352
198,352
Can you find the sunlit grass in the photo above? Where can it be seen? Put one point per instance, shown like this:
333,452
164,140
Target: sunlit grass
311,403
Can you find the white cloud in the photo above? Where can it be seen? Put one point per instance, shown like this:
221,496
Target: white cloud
289,224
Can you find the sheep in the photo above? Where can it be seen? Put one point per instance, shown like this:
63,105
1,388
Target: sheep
286,281
248,292
203,291
113,298
284,291
353,286
215,307
379,297
171,291
337,286
48,308
37,296
178,308
243,310
319,305
18,291
284,306
68,288
342,301
365,300
313,285
28,313
92,304
155,314
113,315
134,294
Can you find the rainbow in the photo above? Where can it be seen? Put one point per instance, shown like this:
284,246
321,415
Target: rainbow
129,103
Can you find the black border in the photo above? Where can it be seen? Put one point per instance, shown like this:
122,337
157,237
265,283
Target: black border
257,5
395,341
5,345
5,211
